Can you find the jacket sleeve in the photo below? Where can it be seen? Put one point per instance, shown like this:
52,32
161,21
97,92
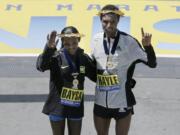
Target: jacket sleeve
144,54
151,56
90,68
44,60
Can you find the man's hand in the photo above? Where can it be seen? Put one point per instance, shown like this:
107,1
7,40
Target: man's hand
51,40
146,38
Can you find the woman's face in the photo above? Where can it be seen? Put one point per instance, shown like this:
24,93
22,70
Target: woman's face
71,44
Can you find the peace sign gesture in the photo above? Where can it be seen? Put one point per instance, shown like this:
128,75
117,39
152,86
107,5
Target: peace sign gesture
52,42
146,38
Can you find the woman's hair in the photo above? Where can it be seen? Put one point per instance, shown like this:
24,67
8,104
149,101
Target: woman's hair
109,7
69,30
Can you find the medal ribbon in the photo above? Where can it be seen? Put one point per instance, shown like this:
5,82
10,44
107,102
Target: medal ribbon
72,65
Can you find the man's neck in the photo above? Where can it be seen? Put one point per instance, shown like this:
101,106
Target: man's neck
112,35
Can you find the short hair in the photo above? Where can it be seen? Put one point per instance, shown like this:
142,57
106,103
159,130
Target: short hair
109,7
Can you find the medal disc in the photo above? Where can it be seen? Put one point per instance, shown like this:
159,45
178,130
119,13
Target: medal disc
110,64
75,82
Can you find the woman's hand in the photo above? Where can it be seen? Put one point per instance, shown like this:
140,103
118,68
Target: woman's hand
51,40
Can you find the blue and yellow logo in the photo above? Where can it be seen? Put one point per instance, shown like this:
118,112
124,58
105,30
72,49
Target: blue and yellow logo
24,24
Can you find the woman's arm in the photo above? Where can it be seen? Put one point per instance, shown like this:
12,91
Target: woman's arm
44,60
90,68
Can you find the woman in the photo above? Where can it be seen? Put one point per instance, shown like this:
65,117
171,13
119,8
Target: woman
68,67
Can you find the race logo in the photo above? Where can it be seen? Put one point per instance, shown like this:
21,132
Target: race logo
24,25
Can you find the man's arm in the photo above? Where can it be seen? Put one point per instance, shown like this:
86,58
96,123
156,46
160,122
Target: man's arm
146,42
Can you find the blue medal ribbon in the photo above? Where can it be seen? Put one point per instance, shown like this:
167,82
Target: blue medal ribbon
72,64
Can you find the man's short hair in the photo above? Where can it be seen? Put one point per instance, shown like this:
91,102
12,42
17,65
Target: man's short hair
109,7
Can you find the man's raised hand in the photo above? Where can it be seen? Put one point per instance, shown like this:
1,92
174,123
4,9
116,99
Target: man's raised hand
146,38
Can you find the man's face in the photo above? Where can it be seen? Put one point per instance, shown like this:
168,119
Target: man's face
71,44
109,24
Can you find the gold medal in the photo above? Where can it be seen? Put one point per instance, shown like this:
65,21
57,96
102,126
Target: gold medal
75,81
109,61
109,64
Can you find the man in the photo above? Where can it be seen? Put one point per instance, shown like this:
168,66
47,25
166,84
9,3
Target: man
116,54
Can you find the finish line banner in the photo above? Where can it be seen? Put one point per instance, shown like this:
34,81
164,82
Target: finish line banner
24,24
